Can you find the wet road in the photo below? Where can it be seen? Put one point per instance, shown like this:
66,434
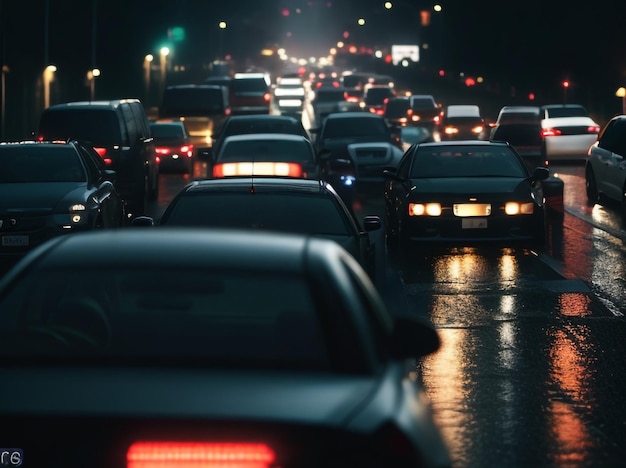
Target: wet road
531,367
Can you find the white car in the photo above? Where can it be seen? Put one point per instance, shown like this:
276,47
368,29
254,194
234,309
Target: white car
567,131
605,168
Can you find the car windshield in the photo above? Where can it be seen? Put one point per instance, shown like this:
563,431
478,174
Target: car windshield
299,213
465,161
231,317
34,164
266,150
101,127
355,127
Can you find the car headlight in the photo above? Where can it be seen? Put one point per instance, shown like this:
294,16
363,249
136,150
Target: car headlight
424,209
516,208
78,207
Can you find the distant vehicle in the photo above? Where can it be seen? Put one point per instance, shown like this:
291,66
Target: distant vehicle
173,147
290,96
521,127
605,167
375,96
119,131
567,132
462,122
206,347
327,101
425,111
250,93
463,192
201,108
397,111
50,189
282,205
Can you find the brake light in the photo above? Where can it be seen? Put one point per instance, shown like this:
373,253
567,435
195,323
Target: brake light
267,97
477,129
227,111
242,169
196,454
593,129
546,132
162,150
40,138
101,151
187,149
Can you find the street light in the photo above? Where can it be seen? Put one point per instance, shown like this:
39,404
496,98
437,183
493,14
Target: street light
621,93
164,52
91,77
147,64
565,86
48,77
222,26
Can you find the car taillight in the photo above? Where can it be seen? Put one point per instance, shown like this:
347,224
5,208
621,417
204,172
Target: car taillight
162,150
478,129
242,169
267,97
593,129
101,151
198,454
546,132
227,111
187,149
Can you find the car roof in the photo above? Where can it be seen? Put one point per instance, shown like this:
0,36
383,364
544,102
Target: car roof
464,143
266,136
92,104
245,183
525,109
352,115
462,110
182,248
45,143
262,117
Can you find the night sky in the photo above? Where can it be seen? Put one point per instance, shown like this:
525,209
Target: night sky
529,44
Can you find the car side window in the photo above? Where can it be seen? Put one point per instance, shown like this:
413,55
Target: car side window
131,124
619,135
94,163
143,126
405,163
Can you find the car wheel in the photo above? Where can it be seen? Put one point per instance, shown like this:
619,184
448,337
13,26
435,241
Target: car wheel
591,187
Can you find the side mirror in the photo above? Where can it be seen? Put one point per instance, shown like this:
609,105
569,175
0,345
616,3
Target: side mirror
372,223
414,338
142,221
541,173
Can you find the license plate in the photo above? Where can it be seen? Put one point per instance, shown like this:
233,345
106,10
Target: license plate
14,241
474,223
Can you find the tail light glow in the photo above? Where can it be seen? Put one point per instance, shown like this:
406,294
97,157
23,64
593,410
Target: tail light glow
593,129
162,150
101,151
199,454
267,97
187,150
546,132
242,169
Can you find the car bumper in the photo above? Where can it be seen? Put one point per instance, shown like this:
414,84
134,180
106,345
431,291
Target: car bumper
568,147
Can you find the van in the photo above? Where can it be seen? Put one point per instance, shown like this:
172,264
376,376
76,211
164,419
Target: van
119,131
202,108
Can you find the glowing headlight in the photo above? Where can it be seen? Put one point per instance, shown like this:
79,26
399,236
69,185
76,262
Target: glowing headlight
348,179
478,129
515,208
451,130
76,218
421,209
78,207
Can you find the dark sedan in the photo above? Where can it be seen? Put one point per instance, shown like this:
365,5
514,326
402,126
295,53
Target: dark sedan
49,189
464,191
283,205
173,146
169,347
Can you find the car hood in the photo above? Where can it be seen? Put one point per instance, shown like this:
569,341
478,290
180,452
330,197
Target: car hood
39,196
470,185
295,396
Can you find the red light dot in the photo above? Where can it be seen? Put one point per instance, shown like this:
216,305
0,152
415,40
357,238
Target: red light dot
285,12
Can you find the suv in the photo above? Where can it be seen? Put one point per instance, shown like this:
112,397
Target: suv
202,109
119,131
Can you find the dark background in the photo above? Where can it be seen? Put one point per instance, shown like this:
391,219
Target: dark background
518,47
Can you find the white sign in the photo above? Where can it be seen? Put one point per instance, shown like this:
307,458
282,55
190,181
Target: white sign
401,52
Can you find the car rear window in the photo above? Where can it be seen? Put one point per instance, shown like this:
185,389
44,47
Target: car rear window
266,150
329,95
226,316
167,130
466,161
98,126
249,85
566,111
28,164
241,127
355,127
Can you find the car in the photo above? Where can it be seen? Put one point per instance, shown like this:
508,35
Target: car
49,189
462,122
567,132
209,346
375,95
268,154
363,136
119,131
173,146
250,93
463,191
283,205
605,167
260,123
425,111
202,108
328,100
290,96
397,111
521,127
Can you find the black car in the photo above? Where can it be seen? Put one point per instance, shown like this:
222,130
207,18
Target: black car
284,205
119,131
174,147
181,347
464,191
48,189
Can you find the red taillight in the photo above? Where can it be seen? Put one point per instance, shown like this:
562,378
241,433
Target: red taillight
198,454
546,132
593,129
158,160
162,150
227,111
107,161
101,151
380,111
267,97
243,169
187,149
40,138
